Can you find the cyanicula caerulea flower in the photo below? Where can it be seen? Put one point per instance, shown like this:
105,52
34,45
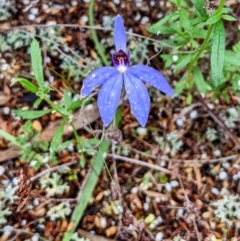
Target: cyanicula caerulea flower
112,79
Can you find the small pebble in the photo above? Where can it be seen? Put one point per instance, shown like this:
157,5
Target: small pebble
226,165
2,170
159,220
33,163
74,3
120,208
168,187
31,16
180,212
157,199
174,183
4,67
134,190
179,122
193,114
146,206
215,191
26,2
144,20
235,177
217,153
148,199
23,222
35,237
152,226
7,229
152,3
141,131
34,11
5,182
204,156
238,174
116,1
223,175
36,202
159,236
71,147
5,110
15,181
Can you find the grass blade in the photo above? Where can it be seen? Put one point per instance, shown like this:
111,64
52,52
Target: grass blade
90,183
217,54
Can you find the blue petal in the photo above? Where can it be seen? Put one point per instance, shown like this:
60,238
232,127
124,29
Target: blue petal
97,78
108,98
119,34
138,97
152,77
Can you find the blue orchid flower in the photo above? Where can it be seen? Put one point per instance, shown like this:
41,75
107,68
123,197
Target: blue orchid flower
111,80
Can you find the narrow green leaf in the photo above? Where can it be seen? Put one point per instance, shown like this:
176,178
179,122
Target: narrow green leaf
26,84
179,2
36,59
74,105
199,5
217,54
57,138
232,58
64,145
213,19
67,98
31,114
185,21
183,63
201,84
61,110
156,27
10,138
90,183
228,18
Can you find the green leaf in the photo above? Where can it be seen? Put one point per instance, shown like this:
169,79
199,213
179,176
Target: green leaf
189,98
67,98
10,138
57,138
232,58
179,2
65,145
183,63
74,105
185,20
26,84
31,114
60,109
213,19
37,102
36,60
217,54
202,85
228,18
199,5
86,193
155,28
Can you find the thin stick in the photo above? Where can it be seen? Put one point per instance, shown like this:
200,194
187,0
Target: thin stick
51,170
141,163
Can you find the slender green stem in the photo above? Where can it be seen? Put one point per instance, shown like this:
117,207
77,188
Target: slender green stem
98,46
66,120
205,42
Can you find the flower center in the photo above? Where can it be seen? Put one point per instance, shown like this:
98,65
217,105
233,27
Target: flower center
121,61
